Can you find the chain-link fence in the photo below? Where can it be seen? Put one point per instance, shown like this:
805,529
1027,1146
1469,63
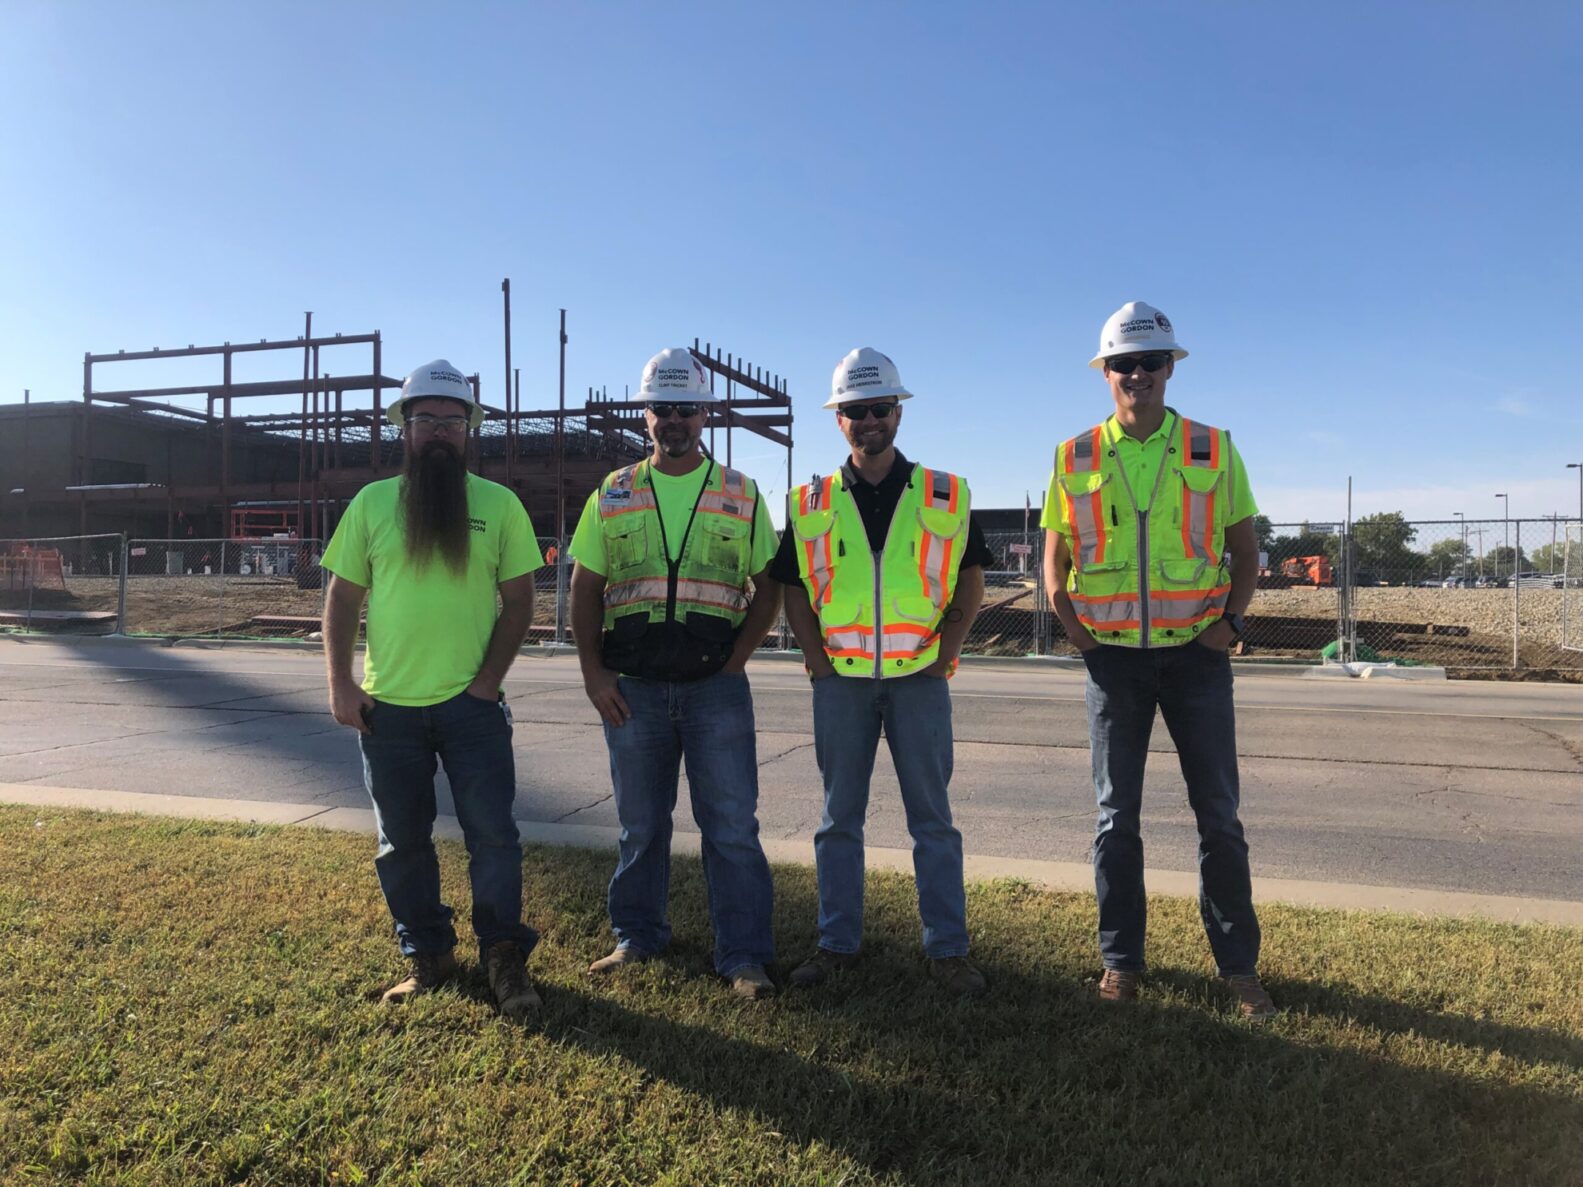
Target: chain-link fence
1464,594
61,583
236,589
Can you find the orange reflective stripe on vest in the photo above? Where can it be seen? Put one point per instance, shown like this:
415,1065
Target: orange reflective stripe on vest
934,553
814,497
1085,513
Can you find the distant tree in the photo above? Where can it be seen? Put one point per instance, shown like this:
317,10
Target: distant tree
1265,530
1549,558
1380,544
1446,557
1503,560
1303,544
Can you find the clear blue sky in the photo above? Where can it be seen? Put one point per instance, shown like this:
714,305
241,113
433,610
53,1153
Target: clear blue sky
1363,219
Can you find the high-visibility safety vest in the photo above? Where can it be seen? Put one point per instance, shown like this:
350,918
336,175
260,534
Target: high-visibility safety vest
1148,567
710,576
880,613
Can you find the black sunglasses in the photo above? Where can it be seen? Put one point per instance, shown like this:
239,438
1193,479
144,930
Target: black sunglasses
662,411
1124,364
864,411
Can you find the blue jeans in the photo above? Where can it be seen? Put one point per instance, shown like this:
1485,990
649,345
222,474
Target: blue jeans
915,712
1191,685
709,723
473,739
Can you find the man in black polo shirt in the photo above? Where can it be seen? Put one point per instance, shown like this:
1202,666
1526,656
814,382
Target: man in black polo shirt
883,569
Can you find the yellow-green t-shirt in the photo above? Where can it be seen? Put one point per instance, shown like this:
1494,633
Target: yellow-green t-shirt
428,628
676,496
1142,460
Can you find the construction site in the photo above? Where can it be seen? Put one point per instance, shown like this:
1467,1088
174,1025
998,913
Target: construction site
234,486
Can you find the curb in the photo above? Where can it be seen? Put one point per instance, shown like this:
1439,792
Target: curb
1073,877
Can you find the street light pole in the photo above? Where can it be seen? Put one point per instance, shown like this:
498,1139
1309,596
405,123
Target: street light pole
1462,557
1578,466
1506,526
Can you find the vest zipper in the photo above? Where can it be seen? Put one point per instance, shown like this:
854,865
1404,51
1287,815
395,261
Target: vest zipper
1143,532
877,559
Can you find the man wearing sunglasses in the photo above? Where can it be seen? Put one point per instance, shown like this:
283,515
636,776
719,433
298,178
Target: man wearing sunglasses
430,551
1151,558
669,602
883,569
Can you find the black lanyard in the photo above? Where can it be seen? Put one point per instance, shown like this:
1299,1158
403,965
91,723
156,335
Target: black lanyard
673,567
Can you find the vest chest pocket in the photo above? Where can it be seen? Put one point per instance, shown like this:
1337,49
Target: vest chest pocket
1103,579
626,541
724,543
1187,574
947,525
1202,512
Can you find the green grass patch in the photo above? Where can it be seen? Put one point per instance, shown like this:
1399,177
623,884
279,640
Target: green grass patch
190,1003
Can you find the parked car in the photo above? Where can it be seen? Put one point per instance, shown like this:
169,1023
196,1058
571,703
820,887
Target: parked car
1484,583
1453,583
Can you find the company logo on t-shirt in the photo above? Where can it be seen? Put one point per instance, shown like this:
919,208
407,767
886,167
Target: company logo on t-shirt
477,524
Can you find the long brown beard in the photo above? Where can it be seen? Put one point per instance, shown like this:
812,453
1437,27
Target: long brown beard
434,506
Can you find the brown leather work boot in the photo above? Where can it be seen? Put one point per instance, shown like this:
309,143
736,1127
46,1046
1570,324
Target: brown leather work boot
1118,985
1253,1000
820,967
752,982
959,975
624,955
508,981
425,971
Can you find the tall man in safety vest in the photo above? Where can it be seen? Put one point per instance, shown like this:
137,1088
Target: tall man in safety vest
883,569
1151,558
430,551
669,601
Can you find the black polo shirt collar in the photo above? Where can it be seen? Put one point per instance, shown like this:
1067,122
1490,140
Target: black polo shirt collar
877,502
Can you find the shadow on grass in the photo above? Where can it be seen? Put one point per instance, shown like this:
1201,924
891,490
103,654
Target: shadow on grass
1041,1083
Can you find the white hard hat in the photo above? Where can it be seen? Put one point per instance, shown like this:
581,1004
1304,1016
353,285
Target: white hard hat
436,380
864,374
676,374
1136,328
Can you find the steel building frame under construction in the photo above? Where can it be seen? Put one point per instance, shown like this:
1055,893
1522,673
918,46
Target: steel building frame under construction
553,457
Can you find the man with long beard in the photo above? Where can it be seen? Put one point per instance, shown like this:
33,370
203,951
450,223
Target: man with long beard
669,601
430,550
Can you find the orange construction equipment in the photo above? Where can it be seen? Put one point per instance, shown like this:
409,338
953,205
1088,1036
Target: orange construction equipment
32,568
1308,570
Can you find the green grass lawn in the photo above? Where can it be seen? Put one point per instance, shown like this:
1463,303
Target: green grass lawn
189,1003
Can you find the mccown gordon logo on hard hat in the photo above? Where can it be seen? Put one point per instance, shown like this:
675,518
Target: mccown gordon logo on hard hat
1136,326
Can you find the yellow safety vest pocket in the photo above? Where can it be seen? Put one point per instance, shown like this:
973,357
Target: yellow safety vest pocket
945,524
626,541
1199,480
840,611
724,543
1188,574
1104,579
915,608
1084,482
814,524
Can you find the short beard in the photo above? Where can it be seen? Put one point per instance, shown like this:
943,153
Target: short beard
434,506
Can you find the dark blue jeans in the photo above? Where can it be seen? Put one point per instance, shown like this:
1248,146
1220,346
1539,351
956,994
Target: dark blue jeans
709,723
915,713
473,739
1191,686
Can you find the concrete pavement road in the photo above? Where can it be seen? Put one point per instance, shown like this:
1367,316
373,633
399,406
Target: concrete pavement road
1473,787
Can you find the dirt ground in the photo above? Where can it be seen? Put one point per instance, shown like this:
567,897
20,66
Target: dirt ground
1463,630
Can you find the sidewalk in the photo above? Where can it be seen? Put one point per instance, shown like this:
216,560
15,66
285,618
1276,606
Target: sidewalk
1064,876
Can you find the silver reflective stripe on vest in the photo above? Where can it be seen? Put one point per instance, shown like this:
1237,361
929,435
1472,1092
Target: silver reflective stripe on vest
639,589
1198,509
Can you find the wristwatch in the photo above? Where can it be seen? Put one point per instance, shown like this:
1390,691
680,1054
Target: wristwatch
1234,621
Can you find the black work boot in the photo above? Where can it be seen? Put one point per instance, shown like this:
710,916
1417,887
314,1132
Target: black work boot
508,981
